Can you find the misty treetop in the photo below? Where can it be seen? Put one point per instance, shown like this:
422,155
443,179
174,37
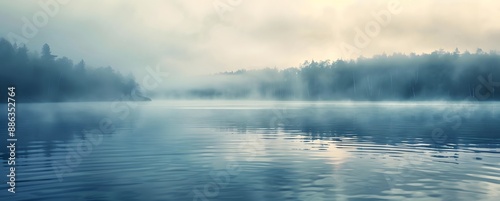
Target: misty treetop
49,78
439,75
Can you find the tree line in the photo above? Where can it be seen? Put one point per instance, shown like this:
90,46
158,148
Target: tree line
439,75
46,77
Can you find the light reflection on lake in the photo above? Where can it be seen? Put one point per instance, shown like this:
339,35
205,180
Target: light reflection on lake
244,150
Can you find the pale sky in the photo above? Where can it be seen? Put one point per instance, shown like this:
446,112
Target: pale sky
208,36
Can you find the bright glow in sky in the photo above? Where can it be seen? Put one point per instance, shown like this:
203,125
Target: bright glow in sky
197,37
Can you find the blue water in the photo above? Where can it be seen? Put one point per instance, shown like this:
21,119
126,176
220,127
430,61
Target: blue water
243,150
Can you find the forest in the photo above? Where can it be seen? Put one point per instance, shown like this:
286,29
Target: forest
439,75
46,77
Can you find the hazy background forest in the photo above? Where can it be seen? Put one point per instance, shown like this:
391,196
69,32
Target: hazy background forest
439,75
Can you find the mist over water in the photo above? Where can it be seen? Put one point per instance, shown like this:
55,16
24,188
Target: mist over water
252,100
174,150
437,76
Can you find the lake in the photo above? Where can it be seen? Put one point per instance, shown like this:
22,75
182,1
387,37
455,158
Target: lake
256,150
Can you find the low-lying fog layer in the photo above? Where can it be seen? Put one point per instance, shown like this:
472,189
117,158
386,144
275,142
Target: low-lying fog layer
436,76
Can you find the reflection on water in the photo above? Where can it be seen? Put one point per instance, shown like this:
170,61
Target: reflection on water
257,151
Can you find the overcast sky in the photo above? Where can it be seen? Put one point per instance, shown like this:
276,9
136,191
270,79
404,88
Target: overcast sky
207,36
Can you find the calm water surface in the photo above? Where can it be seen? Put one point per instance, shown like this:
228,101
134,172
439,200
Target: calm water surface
209,150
